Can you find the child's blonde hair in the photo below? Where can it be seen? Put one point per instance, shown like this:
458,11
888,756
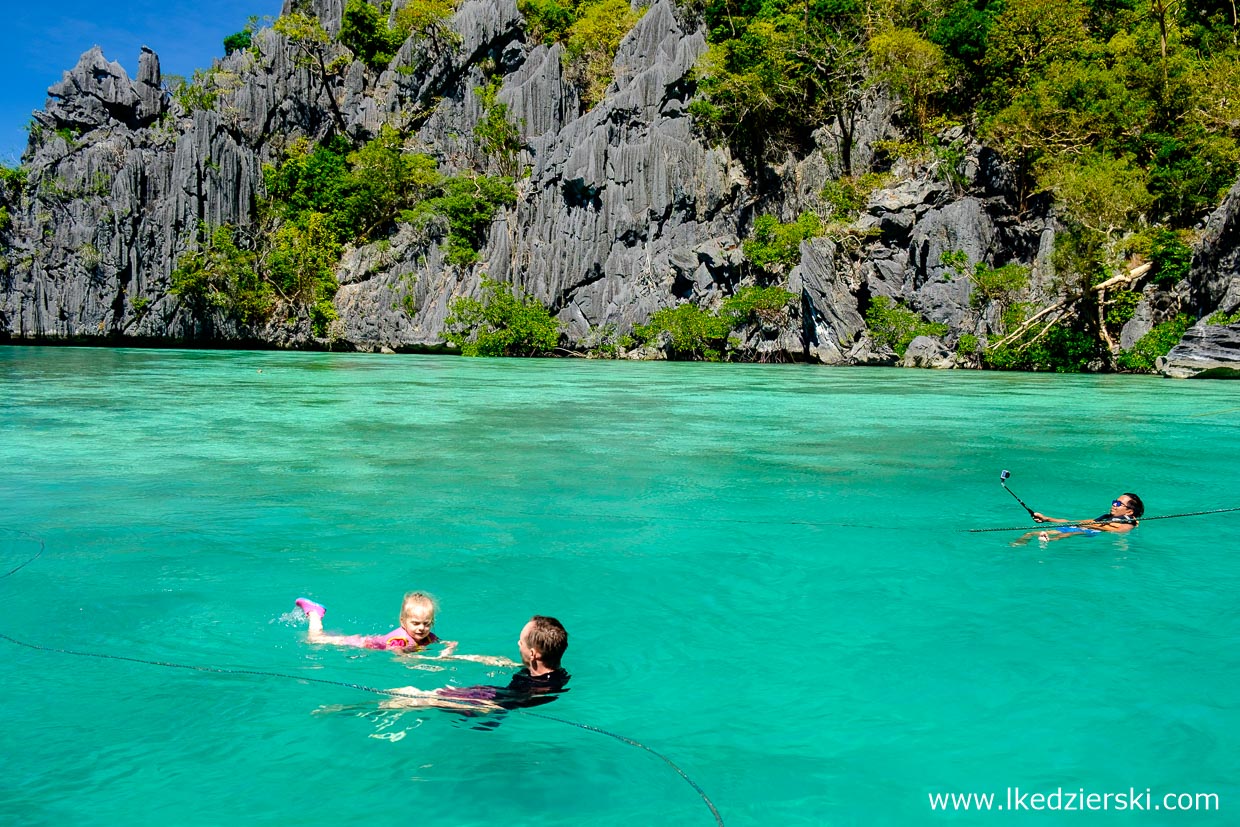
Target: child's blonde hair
419,599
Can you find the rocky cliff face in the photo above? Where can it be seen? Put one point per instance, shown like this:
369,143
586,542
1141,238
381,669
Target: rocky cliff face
625,209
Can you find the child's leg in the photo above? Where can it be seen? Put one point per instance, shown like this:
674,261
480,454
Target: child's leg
315,634
314,616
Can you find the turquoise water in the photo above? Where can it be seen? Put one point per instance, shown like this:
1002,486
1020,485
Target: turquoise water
762,570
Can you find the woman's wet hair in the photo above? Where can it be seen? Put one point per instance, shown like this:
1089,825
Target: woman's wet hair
1135,505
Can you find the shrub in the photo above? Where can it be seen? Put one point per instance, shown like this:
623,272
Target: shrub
503,323
219,274
757,304
469,203
591,31
89,256
1062,350
848,194
13,178
498,136
1121,306
547,21
1221,318
913,68
364,29
360,193
1158,342
200,93
322,314
237,41
894,325
1171,258
997,284
426,20
302,259
591,43
695,334
778,246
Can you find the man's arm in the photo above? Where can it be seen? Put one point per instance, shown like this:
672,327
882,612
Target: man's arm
410,697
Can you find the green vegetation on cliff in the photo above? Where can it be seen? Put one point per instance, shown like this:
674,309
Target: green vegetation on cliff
590,31
321,199
776,246
218,274
505,322
895,326
1074,93
692,333
1123,113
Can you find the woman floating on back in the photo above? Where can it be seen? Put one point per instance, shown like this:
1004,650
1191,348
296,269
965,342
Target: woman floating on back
1125,514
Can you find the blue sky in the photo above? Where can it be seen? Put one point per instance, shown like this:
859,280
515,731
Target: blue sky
42,40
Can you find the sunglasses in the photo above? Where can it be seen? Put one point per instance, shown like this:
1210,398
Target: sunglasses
1121,504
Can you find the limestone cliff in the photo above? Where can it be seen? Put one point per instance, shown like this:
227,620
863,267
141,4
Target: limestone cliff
625,208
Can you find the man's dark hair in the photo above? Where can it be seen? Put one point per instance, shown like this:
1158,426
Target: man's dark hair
1138,507
549,637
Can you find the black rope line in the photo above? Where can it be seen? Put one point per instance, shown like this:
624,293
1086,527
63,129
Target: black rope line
631,742
394,693
1053,526
36,556
220,670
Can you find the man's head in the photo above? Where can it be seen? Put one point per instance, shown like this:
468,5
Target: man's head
542,642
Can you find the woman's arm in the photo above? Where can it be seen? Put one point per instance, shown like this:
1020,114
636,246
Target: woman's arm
1039,517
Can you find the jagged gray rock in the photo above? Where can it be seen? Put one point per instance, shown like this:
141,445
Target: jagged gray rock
90,95
1216,260
831,322
928,352
1207,351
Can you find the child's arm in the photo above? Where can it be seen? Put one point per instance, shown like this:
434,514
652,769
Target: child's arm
487,660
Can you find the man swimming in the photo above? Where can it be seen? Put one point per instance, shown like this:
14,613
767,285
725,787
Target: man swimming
542,643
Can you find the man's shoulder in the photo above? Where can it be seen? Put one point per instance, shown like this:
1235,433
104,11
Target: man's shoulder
555,678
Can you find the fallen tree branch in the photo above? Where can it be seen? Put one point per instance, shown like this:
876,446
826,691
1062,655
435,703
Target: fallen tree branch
1028,323
1041,333
1124,278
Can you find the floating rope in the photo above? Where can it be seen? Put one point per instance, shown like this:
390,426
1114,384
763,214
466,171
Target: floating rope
631,742
1053,526
347,685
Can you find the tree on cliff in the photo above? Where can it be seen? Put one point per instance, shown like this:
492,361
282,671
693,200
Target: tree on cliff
318,53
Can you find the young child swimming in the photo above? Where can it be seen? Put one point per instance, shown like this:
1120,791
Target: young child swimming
417,617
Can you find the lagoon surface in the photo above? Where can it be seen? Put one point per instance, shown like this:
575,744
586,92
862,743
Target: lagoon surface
764,571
